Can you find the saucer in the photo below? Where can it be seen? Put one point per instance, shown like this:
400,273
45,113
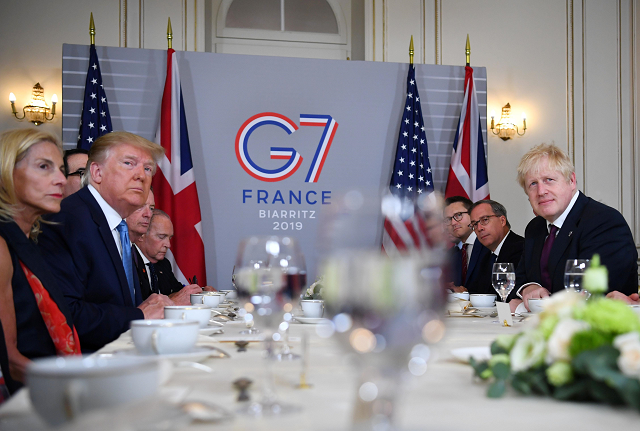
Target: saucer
478,353
310,320
209,330
199,353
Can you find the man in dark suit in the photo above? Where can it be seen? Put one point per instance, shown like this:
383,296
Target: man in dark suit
87,245
489,222
468,252
154,270
569,225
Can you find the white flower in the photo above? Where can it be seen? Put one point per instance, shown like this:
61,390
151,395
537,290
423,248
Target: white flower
629,359
558,344
563,303
528,351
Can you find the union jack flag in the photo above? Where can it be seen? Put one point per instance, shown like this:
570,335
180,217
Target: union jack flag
174,183
95,120
411,178
468,171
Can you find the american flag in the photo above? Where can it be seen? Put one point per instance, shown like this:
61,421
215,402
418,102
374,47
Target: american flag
95,120
468,171
174,183
412,177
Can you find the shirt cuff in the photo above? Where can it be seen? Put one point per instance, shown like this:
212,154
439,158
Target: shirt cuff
521,308
523,286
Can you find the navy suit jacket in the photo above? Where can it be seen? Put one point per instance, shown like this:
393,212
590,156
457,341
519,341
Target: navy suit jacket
478,254
590,227
167,282
83,256
510,252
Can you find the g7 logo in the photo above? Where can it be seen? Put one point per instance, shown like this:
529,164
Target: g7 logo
294,159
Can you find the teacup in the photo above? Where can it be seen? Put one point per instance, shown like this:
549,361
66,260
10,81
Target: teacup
62,388
164,336
200,313
454,296
483,299
312,307
229,294
536,305
212,299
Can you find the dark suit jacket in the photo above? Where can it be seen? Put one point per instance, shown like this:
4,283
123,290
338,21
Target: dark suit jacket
167,282
478,254
83,256
590,227
141,269
511,252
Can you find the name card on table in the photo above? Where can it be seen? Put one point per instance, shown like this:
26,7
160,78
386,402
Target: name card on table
504,313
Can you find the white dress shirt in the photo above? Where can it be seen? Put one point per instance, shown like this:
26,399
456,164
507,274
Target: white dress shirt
113,218
470,241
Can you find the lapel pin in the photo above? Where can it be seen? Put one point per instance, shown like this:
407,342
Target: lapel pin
570,233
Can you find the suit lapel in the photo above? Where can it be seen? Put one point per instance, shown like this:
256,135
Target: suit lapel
539,236
565,235
475,256
107,237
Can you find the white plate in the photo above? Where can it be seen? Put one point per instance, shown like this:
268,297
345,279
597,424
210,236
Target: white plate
478,353
212,330
199,353
311,320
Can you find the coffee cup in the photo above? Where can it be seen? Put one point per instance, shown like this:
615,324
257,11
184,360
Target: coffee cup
212,299
312,307
536,305
230,294
455,296
62,388
482,299
164,336
199,313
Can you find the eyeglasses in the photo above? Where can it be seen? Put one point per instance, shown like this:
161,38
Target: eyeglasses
456,217
79,172
484,220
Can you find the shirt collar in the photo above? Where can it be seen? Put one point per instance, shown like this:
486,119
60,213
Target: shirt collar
499,247
112,216
144,258
470,240
560,220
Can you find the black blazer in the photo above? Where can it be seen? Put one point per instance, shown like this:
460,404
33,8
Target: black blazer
590,227
141,269
83,256
511,252
167,282
478,254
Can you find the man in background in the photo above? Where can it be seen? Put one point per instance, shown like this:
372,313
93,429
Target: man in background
75,163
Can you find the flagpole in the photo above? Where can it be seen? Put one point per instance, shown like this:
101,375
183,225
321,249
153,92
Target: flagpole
411,51
169,34
467,51
92,30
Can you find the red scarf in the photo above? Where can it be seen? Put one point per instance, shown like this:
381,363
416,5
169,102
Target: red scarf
65,340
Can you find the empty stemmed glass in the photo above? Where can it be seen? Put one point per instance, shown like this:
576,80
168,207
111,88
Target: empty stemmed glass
503,279
573,273
264,268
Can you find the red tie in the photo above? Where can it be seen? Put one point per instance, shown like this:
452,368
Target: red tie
544,257
465,263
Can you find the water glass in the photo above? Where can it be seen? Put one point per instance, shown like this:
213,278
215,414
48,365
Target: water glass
503,279
573,273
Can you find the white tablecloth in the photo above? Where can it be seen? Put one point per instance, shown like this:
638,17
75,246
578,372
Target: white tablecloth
446,397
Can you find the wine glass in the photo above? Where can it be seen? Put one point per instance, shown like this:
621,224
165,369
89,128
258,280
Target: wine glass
573,273
264,267
503,279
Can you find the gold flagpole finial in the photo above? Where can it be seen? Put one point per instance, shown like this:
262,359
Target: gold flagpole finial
169,34
411,51
467,51
92,30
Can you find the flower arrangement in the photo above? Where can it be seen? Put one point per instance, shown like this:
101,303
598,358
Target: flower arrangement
315,290
578,350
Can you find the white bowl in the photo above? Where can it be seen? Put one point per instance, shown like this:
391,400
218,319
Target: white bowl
312,307
63,388
455,296
483,299
536,305
200,313
164,336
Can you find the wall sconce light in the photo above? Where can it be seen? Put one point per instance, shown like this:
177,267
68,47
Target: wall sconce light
505,129
38,111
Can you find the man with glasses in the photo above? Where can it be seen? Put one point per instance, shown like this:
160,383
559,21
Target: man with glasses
468,252
490,224
75,162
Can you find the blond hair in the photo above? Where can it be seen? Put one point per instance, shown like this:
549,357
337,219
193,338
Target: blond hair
101,148
557,160
14,145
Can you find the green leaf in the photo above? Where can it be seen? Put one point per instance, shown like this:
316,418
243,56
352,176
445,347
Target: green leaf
576,391
479,367
521,383
539,381
497,388
501,370
600,391
496,349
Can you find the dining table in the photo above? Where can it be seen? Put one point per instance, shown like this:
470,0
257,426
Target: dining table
446,396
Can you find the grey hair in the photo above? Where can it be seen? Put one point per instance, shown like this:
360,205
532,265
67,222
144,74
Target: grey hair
497,208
